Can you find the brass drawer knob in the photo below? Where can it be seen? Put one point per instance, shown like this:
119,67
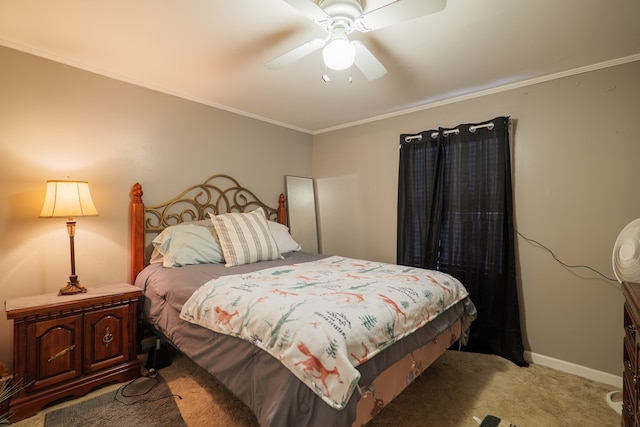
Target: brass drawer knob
629,409
61,353
631,330
108,337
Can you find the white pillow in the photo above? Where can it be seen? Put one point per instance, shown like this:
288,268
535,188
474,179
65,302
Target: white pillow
282,237
245,237
156,257
187,244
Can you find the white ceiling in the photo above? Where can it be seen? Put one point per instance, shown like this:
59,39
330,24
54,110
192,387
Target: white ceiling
214,51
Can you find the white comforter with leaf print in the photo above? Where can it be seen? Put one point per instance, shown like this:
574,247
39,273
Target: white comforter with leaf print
323,318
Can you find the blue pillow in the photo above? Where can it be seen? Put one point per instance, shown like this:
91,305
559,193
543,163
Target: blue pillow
188,244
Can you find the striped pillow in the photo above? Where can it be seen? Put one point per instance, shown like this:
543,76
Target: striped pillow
245,237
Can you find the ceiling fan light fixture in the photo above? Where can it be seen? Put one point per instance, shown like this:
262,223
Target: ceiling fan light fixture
339,53
339,18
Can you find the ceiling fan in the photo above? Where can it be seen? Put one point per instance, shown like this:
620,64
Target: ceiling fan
339,18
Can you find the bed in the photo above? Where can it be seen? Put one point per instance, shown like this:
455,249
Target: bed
279,370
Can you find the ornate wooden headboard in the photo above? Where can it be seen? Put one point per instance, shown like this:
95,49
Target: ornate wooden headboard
218,194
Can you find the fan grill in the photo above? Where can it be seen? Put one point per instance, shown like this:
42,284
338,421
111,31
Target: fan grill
626,253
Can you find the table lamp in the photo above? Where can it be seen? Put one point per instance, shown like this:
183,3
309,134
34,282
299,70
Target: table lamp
69,199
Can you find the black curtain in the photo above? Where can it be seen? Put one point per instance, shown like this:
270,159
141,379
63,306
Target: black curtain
455,214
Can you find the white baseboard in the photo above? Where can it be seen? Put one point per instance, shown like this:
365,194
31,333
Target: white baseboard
572,368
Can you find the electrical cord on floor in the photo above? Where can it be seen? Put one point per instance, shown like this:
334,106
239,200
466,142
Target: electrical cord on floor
152,376
561,262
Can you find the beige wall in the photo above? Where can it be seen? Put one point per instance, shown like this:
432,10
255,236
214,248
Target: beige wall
575,175
57,121
576,169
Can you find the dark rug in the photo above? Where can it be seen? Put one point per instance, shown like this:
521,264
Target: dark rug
143,402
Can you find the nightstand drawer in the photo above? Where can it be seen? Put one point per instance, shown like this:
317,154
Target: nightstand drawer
56,355
107,337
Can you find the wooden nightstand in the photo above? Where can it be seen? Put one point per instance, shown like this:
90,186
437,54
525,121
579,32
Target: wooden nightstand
631,352
67,345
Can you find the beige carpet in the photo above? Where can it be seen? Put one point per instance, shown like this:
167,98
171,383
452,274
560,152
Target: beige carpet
457,387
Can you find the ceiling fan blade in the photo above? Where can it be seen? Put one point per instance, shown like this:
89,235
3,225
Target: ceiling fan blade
310,9
295,54
367,63
398,11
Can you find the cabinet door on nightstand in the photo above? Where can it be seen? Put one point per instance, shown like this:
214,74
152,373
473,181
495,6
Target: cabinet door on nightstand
54,351
106,337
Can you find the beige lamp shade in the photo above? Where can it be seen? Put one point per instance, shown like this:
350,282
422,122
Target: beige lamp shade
68,199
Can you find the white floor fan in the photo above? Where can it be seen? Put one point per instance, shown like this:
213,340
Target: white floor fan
626,266
626,253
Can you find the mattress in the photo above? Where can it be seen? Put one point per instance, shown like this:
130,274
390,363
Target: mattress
262,382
